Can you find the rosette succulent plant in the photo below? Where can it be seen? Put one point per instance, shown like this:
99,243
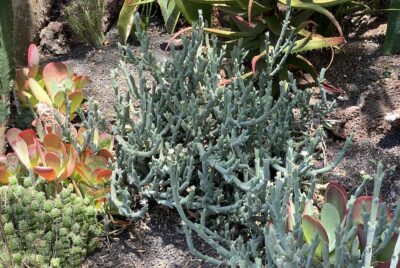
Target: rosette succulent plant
51,84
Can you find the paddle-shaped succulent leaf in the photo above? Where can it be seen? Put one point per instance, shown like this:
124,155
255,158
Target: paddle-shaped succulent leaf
93,175
312,228
49,158
336,195
51,85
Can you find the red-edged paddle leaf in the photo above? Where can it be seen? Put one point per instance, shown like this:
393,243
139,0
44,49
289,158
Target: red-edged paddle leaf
84,172
34,155
28,135
357,210
54,72
70,164
367,200
311,228
45,172
53,143
106,154
337,196
53,161
103,176
33,60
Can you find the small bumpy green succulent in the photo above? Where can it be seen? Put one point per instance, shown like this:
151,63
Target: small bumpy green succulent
42,232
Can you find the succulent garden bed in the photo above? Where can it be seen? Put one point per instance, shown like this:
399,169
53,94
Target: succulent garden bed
174,156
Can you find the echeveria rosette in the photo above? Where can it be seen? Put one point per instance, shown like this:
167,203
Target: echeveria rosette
51,158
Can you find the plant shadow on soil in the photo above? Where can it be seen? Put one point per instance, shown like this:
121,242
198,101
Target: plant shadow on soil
371,82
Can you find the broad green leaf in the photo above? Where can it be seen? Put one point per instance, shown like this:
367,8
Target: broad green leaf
170,13
337,196
312,228
190,10
330,220
125,19
39,93
76,99
392,39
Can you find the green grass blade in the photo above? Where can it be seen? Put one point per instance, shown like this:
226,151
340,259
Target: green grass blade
392,40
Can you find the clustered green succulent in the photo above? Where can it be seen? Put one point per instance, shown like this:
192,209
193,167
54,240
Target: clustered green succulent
45,232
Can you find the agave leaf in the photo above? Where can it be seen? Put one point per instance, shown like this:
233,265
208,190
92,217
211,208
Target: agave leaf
318,8
125,19
336,195
190,10
39,93
392,39
311,228
33,60
45,172
170,13
235,34
330,219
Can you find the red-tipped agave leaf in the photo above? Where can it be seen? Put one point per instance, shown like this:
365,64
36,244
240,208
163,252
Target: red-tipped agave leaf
337,196
45,172
311,228
33,60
